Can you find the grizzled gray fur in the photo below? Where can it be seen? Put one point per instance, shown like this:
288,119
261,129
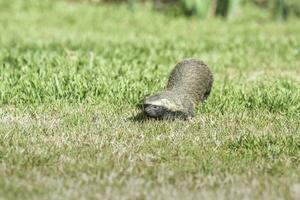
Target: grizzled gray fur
190,83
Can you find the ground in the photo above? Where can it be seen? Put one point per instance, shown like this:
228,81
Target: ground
71,76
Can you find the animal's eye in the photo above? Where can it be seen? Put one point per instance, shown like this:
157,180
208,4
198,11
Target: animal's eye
155,107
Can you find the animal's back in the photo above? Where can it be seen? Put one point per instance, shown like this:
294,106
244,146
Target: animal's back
191,77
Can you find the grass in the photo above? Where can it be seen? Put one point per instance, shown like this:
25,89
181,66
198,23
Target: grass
72,74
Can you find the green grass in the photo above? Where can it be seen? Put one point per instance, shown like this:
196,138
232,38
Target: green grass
72,74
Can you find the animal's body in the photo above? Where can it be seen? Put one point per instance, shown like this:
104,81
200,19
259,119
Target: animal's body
189,84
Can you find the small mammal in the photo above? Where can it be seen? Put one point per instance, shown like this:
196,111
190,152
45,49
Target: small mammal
189,84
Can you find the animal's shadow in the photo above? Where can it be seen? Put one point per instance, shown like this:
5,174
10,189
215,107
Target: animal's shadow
141,117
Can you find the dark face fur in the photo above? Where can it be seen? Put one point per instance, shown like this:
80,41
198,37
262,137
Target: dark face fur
160,112
154,110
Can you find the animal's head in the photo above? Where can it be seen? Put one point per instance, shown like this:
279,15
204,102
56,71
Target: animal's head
159,106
